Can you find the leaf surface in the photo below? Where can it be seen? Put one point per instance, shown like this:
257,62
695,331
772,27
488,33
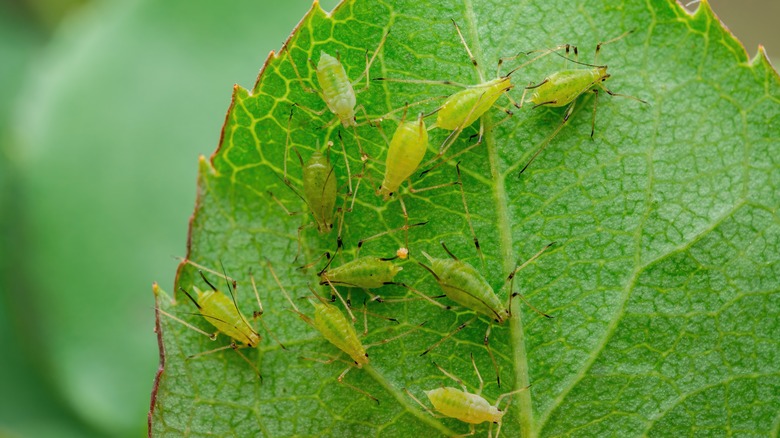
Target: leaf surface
662,280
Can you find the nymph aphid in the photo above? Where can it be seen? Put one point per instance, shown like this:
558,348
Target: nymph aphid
468,407
222,313
563,87
339,331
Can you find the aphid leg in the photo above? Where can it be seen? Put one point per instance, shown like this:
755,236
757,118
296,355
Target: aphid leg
595,104
479,376
451,334
490,353
235,348
297,73
420,294
611,93
341,380
258,314
295,309
511,278
426,408
369,63
343,301
549,138
385,341
468,216
376,236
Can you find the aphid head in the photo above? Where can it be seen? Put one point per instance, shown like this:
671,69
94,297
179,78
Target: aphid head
603,75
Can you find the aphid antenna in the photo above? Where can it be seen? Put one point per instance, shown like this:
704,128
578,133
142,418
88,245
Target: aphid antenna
259,314
346,162
479,376
617,38
204,268
468,50
453,377
211,336
289,143
451,334
401,335
369,63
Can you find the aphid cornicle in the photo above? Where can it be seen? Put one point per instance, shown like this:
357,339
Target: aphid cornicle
466,406
463,284
563,87
223,313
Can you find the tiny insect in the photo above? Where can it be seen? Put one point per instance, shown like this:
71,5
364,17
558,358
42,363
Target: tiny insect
461,109
563,87
468,407
223,313
405,152
339,331
319,191
336,90
463,284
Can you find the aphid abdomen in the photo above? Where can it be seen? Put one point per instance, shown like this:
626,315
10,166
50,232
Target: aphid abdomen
562,87
221,312
319,189
464,107
337,90
335,327
466,407
406,151
463,284
364,272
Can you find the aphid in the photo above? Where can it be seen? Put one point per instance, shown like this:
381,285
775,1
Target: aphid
405,152
564,87
463,284
319,191
463,108
466,406
338,330
223,313
336,90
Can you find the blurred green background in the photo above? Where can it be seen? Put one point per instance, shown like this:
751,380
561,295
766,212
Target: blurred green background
104,108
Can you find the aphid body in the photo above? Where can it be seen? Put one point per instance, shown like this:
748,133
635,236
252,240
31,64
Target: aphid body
463,108
463,284
563,87
337,90
365,272
339,331
319,190
465,406
406,151
221,311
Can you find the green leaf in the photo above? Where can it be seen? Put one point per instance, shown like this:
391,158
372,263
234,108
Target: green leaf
663,280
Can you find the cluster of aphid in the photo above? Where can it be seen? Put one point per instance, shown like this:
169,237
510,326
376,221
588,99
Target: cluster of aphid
459,281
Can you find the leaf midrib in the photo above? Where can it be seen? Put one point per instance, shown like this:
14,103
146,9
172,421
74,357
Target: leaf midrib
517,334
